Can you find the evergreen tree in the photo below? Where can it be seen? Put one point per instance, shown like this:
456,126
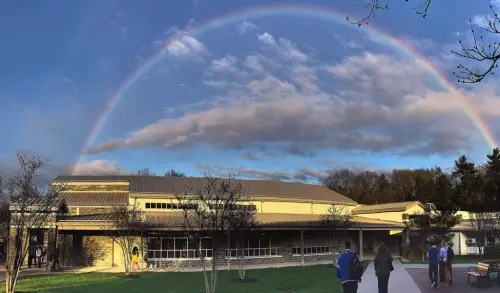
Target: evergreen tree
466,184
492,179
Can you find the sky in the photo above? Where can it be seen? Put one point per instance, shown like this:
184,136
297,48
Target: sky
285,90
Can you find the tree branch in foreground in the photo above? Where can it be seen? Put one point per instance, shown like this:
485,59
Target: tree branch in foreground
480,51
374,5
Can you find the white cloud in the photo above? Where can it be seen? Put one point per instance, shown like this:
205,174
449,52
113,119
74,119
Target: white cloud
378,104
266,38
98,167
481,20
245,27
227,64
285,48
252,62
185,45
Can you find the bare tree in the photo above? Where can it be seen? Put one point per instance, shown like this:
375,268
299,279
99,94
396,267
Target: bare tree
30,207
483,224
214,210
126,226
432,226
479,50
240,226
375,5
173,173
338,219
145,172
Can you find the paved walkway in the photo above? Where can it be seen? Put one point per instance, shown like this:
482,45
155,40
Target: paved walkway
421,277
400,280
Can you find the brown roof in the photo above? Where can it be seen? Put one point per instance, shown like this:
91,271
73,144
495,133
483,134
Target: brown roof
267,219
254,188
388,207
95,198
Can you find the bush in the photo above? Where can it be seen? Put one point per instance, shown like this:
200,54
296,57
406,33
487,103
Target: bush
492,252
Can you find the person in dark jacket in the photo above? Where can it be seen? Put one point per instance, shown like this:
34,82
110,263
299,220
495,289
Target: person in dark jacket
383,268
344,269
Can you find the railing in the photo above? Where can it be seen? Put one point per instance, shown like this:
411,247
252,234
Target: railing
173,254
254,252
179,254
312,250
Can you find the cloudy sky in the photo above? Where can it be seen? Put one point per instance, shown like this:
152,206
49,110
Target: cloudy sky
255,88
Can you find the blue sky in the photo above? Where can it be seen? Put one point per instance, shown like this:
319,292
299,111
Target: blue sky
278,96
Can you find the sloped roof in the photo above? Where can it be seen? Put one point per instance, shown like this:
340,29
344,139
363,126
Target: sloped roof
267,219
95,198
388,207
254,188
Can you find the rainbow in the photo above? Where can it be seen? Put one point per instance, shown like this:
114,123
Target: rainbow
324,13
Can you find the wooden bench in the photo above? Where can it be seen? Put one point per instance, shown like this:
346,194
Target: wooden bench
481,271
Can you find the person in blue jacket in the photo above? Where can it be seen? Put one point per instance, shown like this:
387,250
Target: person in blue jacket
349,269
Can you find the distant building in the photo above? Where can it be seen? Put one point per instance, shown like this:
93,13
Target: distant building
287,213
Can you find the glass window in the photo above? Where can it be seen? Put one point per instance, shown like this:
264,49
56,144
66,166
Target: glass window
163,205
167,243
148,205
180,243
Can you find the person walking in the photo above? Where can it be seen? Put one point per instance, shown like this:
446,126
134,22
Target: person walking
349,269
432,256
443,255
450,255
383,268
38,253
32,255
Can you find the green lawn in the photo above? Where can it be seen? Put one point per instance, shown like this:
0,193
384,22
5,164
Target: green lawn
314,279
460,259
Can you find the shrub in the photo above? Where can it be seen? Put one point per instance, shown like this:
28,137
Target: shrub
492,252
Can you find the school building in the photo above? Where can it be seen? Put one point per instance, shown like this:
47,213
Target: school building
289,217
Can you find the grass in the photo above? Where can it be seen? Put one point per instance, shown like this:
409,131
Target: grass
459,259
313,279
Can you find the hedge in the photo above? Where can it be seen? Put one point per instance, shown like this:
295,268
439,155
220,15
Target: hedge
492,251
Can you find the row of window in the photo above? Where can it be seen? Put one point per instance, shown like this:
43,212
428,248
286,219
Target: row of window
186,248
195,253
178,206
312,250
170,206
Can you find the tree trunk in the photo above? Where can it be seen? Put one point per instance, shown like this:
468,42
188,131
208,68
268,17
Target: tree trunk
241,257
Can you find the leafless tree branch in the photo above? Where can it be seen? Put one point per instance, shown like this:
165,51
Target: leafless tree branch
480,51
126,225
217,209
374,5
29,207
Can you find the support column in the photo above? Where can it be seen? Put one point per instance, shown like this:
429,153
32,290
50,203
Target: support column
361,243
302,246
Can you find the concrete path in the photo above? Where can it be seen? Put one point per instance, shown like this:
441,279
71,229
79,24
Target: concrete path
400,280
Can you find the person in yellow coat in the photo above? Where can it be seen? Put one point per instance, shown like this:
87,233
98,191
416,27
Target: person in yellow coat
135,260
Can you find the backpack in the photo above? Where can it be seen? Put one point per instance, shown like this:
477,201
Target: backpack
450,254
355,268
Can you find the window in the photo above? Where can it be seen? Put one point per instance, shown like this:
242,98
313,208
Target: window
187,248
250,207
255,247
169,206
313,250
178,248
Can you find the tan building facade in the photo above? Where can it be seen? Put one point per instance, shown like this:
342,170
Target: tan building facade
287,213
